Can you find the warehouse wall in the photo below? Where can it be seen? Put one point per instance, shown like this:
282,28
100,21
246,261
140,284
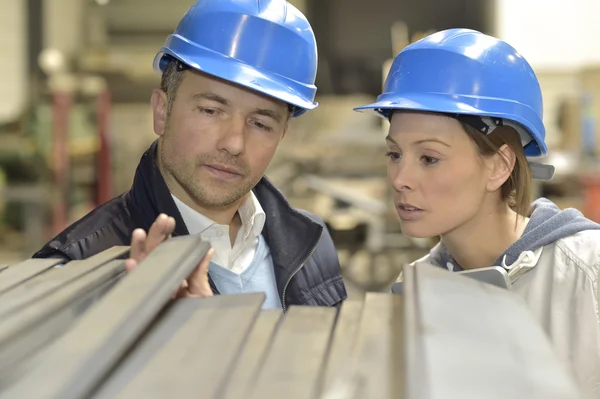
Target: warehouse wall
67,37
13,65
551,33
559,39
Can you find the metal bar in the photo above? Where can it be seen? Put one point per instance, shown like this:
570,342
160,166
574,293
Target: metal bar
343,341
44,284
304,337
88,351
199,338
379,365
502,352
23,271
253,354
34,326
20,353
414,345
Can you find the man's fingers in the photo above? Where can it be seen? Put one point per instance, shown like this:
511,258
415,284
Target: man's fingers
130,264
198,285
162,227
181,291
138,244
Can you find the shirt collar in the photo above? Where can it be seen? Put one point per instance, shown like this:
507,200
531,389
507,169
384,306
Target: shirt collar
251,213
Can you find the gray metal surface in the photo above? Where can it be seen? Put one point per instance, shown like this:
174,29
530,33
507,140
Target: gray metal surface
295,358
32,327
21,353
43,284
446,336
103,334
253,354
200,338
469,339
375,365
343,341
56,291
23,271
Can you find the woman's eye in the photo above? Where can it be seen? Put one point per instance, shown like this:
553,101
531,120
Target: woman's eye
394,156
429,160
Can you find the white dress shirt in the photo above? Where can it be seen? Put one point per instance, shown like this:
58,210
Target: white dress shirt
235,258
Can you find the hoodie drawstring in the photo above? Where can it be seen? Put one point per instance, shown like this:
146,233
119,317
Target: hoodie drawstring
526,261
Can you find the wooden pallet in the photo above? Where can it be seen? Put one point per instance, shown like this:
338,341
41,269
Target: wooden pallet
86,329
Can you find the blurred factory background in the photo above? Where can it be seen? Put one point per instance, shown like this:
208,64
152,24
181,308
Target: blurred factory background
76,78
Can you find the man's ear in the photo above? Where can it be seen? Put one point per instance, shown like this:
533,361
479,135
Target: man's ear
501,166
159,111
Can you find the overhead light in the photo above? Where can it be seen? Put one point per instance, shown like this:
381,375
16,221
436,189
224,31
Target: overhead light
102,2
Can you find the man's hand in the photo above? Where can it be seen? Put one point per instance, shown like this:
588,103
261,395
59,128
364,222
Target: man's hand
196,285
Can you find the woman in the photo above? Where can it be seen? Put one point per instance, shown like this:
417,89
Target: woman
466,112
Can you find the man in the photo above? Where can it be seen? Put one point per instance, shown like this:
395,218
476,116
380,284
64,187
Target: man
233,75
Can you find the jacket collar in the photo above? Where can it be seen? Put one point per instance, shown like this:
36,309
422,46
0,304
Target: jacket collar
150,194
290,235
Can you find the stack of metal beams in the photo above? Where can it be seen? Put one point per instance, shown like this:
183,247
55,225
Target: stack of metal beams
88,329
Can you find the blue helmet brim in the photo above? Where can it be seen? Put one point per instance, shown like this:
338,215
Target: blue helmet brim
453,104
237,72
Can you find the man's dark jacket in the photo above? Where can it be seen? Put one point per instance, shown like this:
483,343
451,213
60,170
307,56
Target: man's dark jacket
303,253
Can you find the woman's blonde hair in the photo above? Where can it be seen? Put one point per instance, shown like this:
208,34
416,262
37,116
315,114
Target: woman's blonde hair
517,191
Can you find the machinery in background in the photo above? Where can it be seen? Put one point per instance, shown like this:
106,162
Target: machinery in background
79,149
332,162
57,159
23,193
